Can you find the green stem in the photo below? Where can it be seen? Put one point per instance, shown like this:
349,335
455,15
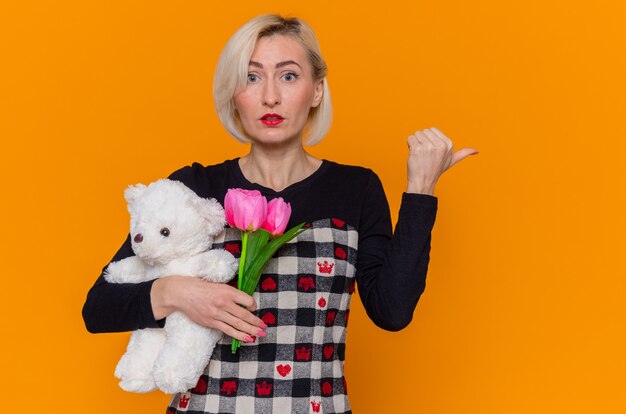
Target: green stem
242,260
235,343
261,250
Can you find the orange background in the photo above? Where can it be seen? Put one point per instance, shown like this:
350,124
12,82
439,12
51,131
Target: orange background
524,307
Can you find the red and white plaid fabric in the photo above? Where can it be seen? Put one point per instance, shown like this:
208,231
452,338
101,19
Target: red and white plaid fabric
304,298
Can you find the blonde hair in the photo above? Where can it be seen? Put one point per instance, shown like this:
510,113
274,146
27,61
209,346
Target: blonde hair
232,72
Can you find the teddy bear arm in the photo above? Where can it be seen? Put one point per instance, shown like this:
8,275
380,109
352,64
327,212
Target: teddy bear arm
217,266
128,270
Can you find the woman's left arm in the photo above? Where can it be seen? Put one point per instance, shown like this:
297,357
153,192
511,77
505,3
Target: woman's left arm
391,269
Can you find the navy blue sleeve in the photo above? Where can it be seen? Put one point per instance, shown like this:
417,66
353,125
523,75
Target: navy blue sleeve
121,307
391,268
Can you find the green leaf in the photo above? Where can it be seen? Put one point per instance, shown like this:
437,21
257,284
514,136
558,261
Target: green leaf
288,235
253,271
259,251
256,241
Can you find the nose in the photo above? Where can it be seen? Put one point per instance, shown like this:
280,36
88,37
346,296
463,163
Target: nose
138,238
271,94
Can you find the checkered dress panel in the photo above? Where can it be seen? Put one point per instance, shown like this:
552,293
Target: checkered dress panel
304,298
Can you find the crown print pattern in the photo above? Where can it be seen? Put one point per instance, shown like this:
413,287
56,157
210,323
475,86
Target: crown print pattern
304,298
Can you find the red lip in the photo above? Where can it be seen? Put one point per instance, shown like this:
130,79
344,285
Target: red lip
264,117
272,120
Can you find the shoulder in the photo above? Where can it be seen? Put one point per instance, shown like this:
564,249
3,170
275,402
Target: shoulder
354,176
197,170
200,177
355,194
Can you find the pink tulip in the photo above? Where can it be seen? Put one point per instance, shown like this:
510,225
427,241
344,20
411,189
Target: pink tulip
278,213
245,209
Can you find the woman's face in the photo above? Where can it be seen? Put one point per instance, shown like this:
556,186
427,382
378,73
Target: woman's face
275,104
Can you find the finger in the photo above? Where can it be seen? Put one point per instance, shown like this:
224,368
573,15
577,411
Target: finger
422,138
462,153
245,315
241,325
441,135
436,140
412,141
232,332
244,300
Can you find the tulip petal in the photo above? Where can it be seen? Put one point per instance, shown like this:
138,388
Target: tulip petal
278,215
245,209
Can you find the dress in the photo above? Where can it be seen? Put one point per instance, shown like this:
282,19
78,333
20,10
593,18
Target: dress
304,293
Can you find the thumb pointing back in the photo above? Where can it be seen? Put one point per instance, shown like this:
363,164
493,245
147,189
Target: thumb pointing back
462,153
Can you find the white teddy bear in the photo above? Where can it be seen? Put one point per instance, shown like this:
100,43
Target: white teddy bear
172,230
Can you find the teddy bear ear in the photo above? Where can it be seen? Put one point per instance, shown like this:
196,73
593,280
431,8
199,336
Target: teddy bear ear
213,213
133,192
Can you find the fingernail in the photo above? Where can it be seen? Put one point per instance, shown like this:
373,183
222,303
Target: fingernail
253,338
247,338
263,325
261,333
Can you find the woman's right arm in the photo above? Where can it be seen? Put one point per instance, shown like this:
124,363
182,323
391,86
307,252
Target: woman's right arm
119,307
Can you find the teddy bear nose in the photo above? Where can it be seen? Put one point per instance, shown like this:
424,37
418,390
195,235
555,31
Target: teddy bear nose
138,238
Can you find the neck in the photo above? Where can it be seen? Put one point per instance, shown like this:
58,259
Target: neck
277,168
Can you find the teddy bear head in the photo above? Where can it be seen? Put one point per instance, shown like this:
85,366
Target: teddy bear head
170,221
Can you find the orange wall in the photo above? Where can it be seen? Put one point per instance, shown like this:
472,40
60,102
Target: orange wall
524,308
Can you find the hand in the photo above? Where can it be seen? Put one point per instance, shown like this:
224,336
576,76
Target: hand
430,155
214,305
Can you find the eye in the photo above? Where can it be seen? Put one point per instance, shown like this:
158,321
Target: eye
252,78
290,76
165,232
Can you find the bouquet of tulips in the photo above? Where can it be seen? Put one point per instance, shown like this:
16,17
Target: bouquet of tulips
262,226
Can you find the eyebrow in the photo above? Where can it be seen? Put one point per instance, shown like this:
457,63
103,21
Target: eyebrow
278,65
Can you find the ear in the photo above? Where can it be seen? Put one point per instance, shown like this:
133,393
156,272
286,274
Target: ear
319,93
212,212
132,193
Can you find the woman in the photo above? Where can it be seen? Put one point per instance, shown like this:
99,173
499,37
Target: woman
270,90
